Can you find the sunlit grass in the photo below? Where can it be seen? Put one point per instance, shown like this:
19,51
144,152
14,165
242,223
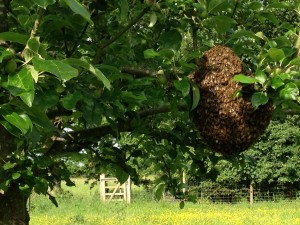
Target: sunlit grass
80,205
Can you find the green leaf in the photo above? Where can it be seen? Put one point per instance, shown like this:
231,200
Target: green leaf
95,71
46,100
22,121
33,72
37,116
153,19
69,101
121,175
269,16
181,204
150,53
21,84
16,176
41,186
259,98
222,24
160,188
6,55
254,5
166,53
295,61
100,76
60,69
217,5
78,8
124,9
284,76
44,3
183,86
260,76
276,54
244,79
276,82
196,95
129,96
34,48
10,128
171,40
289,92
53,200
261,36
9,165
244,33
279,5
25,188
14,37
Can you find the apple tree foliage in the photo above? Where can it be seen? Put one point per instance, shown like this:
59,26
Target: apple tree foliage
105,83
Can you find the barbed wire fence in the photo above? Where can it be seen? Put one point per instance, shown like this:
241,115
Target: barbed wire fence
208,192
217,193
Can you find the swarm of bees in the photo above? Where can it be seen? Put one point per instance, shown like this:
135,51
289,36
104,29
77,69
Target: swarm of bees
228,124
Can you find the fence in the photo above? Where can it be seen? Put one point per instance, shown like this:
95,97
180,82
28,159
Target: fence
217,193
111,189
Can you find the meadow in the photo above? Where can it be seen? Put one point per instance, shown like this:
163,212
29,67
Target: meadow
81,205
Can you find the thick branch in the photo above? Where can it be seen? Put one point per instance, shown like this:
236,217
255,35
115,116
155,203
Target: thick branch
3,15
60,111
123,126
118,35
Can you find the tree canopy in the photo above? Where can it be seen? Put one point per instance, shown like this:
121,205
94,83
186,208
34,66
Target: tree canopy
106,83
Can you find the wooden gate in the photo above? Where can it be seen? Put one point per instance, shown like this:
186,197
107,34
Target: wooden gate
112,190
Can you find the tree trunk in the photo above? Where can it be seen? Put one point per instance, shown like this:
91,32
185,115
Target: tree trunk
4,5
13,203
13,210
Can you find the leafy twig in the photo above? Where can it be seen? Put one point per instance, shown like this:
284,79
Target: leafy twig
118,35
40,14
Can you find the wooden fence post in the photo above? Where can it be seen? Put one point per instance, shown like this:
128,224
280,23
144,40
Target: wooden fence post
102,187
184,182
128,190
251,195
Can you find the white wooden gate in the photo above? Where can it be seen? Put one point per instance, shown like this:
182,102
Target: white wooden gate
112,190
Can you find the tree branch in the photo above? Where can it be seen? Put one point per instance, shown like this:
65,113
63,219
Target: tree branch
71,52
138,72
78,138
195,38
60,111
123,126
235,8
4,8
118,35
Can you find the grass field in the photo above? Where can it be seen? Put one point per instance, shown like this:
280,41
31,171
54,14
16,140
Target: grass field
80,205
